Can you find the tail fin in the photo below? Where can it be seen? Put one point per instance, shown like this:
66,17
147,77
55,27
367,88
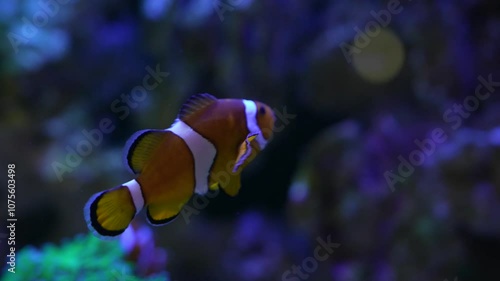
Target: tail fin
109,213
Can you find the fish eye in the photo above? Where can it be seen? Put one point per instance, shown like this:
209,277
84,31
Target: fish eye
262,111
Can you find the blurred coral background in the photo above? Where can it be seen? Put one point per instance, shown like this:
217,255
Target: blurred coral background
354,89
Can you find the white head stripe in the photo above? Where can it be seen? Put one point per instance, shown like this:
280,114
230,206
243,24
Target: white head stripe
135,191
203,153
252,125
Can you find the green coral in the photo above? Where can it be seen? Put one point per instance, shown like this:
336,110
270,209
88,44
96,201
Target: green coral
83,258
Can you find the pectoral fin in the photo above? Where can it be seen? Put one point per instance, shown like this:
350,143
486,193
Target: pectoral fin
244,153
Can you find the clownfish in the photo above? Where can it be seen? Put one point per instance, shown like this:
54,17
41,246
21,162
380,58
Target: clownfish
207,147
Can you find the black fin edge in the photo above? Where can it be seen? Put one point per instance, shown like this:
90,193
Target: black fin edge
132,148
93,220
90,214
160,222
131,144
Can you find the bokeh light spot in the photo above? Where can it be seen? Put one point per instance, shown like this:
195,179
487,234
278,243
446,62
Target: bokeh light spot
382,59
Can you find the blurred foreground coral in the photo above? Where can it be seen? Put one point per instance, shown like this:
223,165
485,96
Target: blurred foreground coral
85,257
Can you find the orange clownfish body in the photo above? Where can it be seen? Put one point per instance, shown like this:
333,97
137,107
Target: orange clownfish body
207,147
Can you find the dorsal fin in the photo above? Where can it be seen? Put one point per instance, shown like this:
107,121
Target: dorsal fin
140,147
195,103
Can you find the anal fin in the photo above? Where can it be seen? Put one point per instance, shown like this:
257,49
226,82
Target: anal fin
232,187
214,186
160,214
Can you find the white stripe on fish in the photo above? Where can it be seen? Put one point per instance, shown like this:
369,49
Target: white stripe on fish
252,125
203,152
135,191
